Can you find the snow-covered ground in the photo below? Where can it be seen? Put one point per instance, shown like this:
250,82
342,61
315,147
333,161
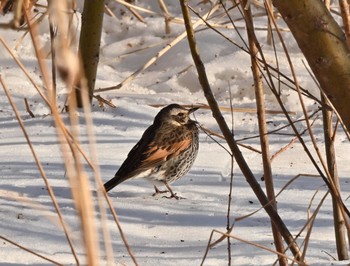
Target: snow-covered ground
161,231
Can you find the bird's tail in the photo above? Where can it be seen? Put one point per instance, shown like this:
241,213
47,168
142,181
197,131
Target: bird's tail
116,180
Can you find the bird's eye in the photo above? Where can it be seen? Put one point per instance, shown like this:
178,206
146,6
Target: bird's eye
180,114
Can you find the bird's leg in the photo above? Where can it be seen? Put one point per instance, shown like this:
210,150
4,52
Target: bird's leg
158,191
173,195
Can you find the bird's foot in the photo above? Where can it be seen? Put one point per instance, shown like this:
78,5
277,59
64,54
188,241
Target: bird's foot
158,191
174,196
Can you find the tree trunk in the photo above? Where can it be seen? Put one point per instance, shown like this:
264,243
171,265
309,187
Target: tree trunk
89,43
324,46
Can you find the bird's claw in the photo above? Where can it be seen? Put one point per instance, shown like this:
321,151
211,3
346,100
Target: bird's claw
159,192
174,196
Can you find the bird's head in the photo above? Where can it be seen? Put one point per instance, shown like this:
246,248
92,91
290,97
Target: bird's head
175,114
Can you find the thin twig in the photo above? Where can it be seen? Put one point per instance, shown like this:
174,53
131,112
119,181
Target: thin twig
238,219
291,142
246,50
28,108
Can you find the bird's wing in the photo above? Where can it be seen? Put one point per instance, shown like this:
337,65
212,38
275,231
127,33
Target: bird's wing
130,167
156,155
132,163
145,155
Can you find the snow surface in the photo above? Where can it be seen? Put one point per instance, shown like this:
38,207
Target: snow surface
161,231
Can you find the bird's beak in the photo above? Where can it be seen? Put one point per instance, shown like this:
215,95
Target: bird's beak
193,110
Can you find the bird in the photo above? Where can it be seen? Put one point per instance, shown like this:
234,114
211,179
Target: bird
165,152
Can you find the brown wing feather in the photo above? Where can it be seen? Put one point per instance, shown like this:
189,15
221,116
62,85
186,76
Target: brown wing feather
158,155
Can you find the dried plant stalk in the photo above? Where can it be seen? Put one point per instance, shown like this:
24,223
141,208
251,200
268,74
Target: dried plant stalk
264,138
42,172
227,234
157,56
30,251
339,228
345,13
325,177
229,137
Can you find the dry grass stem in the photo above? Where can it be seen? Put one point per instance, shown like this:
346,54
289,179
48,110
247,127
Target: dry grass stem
63,128
31,203
238,219
30,251
228,134
93,163
81,190
292,141
42,172
311,220
66,138
345,14
126,4
90,199
166,15
25,71
109,12
264,138
216,134
328,181
157,56
229,109
99,185
300,263
28,108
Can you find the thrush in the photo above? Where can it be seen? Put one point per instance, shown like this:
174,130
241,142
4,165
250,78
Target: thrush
165,152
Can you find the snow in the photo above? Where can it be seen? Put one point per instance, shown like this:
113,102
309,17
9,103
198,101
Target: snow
160,231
